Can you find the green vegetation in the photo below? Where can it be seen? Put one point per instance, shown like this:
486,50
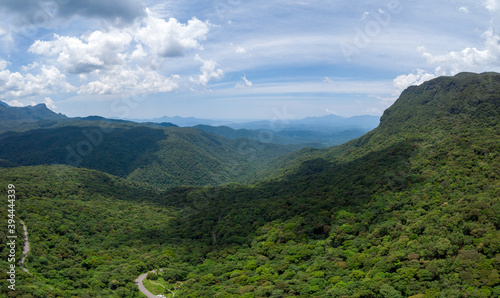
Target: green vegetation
412,209
162,156
16,118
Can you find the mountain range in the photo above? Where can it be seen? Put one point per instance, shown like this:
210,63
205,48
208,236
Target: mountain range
314,131
409,209
160,154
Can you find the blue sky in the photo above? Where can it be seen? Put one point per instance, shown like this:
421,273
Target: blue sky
234,59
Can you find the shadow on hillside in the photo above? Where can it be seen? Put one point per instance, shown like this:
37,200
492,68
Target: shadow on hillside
235,212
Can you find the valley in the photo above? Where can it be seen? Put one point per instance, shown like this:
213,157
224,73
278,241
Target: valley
409,209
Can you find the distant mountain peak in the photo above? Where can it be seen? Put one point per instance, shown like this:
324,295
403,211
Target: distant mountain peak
27,114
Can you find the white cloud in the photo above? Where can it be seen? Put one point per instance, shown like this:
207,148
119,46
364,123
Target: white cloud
15,103
172,38
240,50
48,81
404,81
208,71
122,59
29,67
139,52
88,53
49,103
492,5
246,83
327,80
122,80
468,59
3,64
464,9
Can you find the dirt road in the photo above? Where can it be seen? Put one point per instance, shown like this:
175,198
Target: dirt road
26,247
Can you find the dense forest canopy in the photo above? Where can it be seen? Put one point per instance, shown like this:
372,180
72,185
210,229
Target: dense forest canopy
411,209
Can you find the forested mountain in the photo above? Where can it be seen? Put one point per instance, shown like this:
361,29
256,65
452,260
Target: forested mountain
314,132
411,209
323,131
304,137
16,117
163,156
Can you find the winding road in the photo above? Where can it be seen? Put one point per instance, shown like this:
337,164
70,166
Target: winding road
26,250
26,247
142,288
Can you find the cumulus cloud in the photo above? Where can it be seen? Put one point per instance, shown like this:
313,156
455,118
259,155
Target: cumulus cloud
122,80
87,53
404,81
121,59
171,38
208,70
49,80
468,59
97,50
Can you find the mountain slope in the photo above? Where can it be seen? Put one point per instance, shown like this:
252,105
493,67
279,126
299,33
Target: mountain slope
162,156
91,234
192,157
437,111
411,209
13,117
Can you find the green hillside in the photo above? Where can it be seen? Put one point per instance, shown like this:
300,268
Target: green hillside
188,156
411,209
163,156
90,233
26,117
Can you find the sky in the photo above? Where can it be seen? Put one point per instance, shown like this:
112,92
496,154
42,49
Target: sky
235,59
